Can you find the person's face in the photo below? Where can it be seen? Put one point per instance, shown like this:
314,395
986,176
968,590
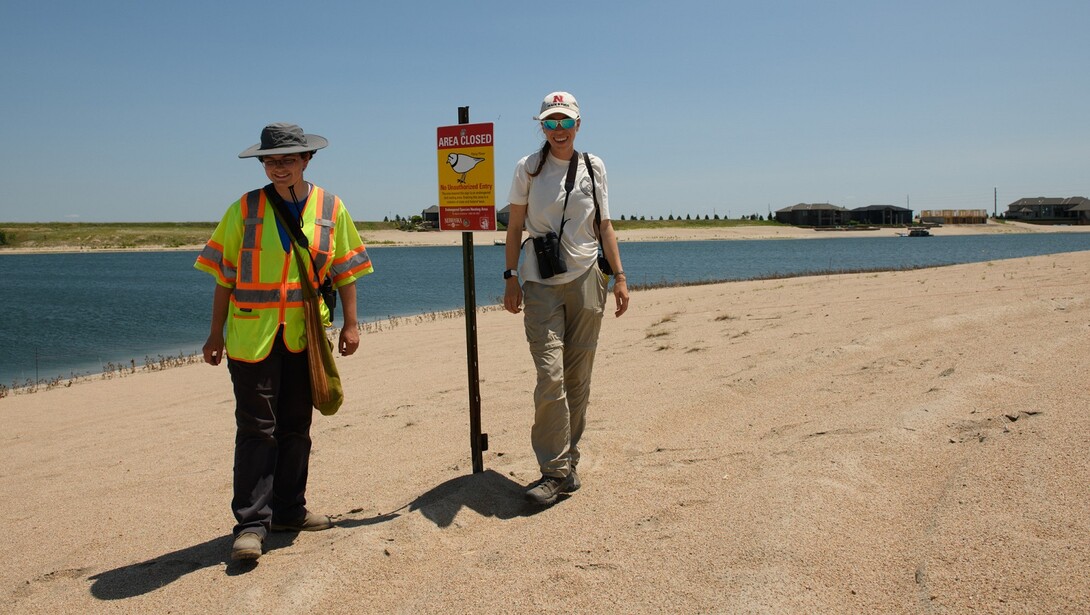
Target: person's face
286,169
560,139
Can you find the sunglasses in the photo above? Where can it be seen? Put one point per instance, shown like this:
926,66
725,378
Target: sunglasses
566,124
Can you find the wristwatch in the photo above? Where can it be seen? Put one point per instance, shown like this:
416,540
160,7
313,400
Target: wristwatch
510,273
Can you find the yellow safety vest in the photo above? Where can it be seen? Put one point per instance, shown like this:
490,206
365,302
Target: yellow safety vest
245,253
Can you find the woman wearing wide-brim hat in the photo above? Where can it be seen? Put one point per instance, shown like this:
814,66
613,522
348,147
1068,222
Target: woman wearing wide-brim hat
259,301
560,198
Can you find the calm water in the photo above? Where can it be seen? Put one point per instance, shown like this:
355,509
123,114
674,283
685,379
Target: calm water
75,313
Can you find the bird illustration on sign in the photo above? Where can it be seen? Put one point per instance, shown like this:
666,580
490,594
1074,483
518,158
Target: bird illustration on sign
463,163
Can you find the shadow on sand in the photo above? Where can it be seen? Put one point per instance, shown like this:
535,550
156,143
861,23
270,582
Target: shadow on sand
138,579
488,493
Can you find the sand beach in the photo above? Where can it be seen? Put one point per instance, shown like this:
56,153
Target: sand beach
901,442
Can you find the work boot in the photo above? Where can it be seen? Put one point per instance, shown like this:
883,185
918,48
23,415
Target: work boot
545,491
572,483
247,546
311,522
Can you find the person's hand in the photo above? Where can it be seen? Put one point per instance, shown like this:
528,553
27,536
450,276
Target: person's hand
213,349
512,296
620,294
349,341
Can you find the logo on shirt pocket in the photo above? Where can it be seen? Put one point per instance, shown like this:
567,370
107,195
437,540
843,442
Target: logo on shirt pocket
586,186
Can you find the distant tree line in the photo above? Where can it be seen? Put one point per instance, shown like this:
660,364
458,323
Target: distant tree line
690,217
408,223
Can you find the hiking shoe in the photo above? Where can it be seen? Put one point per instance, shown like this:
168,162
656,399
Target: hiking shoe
311,522
545,491
247,546
572,483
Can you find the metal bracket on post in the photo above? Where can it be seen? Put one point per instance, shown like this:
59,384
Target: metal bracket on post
478,442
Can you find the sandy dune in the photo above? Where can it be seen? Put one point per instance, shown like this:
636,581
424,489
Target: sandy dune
907,442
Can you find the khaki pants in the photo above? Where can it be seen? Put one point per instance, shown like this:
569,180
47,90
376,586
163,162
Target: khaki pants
562,324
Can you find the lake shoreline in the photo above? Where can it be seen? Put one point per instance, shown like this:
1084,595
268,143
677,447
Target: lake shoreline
395,238
101,348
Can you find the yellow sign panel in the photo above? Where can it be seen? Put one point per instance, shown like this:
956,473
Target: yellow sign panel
467,178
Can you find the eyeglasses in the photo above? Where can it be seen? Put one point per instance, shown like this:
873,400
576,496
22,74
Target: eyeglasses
272,163
566,123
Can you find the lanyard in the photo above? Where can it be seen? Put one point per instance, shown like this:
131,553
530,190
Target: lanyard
569,185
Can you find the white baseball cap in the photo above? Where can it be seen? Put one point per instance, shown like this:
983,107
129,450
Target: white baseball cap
559,102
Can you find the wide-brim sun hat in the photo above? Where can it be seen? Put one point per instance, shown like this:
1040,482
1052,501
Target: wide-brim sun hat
559,102
280,138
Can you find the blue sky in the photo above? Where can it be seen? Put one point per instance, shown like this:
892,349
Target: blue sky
136,111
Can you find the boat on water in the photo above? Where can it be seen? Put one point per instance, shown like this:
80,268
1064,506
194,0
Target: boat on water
916,232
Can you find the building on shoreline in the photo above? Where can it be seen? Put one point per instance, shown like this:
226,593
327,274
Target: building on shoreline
814,214
827,214
882,215
1050,210
954,216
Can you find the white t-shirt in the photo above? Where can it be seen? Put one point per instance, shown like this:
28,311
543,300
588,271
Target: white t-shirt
544,197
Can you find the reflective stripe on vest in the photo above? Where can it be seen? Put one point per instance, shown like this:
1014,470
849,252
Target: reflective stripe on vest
324,220
253,211
357,259
212,256
250,292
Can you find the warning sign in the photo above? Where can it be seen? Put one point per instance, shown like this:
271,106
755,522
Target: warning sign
467,178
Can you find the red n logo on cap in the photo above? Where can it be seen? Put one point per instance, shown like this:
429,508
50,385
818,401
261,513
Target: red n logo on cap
558,99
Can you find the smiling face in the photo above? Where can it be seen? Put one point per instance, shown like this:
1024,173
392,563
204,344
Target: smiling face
286,170
562,140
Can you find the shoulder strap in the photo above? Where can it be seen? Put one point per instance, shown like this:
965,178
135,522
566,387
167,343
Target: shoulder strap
594,193
569,185
573,166
280,208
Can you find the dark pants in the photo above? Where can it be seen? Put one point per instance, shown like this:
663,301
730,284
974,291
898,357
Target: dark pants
272,445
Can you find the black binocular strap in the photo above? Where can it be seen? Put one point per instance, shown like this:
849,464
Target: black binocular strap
569,185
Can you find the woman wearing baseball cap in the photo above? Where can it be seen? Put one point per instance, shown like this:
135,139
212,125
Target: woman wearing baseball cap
560,198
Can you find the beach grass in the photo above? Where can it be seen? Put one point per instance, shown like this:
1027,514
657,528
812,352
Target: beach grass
157,235
119,235
104,235
632,224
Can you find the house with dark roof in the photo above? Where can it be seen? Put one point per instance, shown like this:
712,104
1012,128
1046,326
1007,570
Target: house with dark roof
882,215
431,216
1050,210
1081,211
813,214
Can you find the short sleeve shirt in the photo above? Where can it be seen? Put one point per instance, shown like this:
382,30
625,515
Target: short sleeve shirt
544,197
